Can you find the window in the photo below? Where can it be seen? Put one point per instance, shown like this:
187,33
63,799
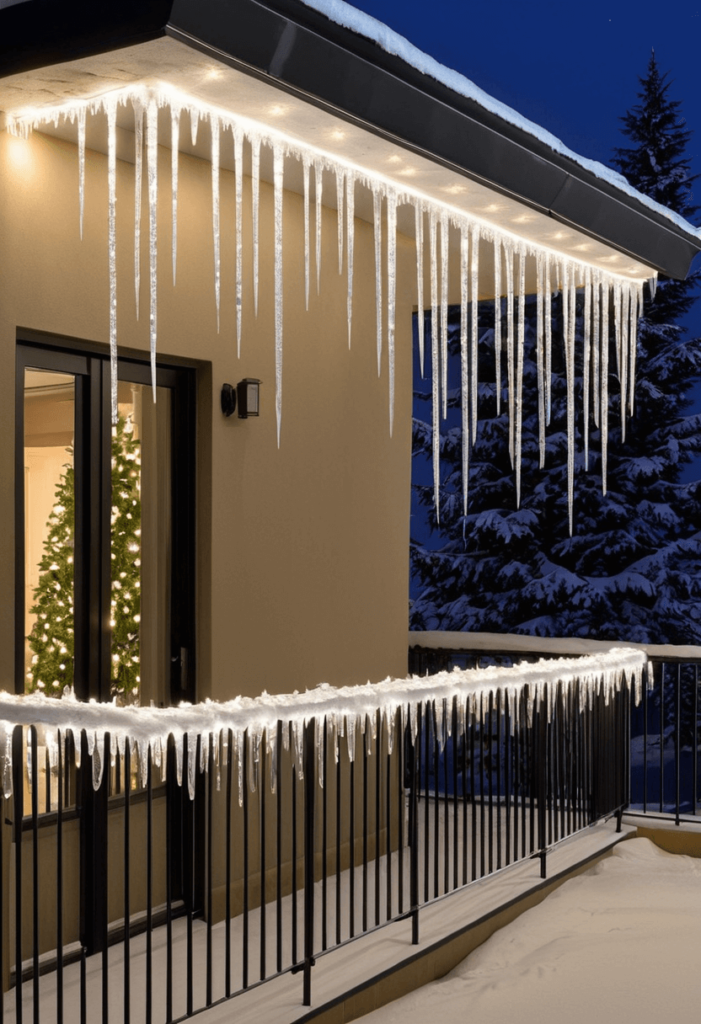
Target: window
105,572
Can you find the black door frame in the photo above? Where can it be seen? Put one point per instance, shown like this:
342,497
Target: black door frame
89,364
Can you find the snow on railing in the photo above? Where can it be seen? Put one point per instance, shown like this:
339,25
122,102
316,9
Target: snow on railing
346,711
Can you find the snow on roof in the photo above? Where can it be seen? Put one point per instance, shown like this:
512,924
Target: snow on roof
365,25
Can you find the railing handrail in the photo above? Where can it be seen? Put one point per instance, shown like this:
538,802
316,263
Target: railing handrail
516,643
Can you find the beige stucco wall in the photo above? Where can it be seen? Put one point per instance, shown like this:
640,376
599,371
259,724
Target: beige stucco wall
302,551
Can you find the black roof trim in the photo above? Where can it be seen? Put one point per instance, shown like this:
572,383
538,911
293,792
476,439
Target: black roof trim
304,52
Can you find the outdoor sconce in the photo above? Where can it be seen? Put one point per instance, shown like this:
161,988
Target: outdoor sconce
245,396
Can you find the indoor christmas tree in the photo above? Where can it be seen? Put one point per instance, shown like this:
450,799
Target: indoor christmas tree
631,569
52,636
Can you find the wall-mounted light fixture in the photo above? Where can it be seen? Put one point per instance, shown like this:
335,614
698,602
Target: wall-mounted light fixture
245,397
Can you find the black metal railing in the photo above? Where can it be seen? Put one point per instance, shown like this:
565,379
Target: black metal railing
152,903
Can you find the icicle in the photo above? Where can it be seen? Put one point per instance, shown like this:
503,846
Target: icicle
474,362
238,171
255,194
391,294
273,755
539,358
194,115
138,177
81,165
191,764
377,230
625,356
636,309
152,159
340,178
519,368
111,108
604,413
596,344
350,240
464,368
318,189
419,232
497,319
435,362
350,735
306,163
587,361
509,263
278,174
652,285
319,734
215,213
548,310
174,160
444,311
98,762
568,313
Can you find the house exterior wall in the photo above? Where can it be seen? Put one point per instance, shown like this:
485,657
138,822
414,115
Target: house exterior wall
302,551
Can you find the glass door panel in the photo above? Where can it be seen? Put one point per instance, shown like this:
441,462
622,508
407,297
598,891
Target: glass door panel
49,526
141,542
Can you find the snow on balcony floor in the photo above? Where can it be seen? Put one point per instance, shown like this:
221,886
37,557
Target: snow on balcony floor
618,943
335,973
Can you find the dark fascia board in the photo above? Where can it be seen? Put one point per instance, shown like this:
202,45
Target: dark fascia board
309,55
302,51
37,33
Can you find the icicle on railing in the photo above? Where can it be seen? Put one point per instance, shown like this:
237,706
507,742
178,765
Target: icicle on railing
419,240
464,366
627,293
278,173
112,249
435,361
394,704
391,294
174,161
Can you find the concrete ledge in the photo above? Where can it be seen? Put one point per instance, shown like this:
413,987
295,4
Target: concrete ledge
684,838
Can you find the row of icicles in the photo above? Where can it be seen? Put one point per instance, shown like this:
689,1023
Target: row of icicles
260,743
603,291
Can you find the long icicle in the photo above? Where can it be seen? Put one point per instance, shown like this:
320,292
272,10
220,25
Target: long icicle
464,365
548,303
540,369
569,380
255,211
340,182
278,178
604,363
111,110
419,233
350,241
81,165
444,311
318,191
474,327
377,231
215,126
625,357
152,159
174,160
306,165
138,177
497,320
571,396
509,262
238,171
391,293
587,362
521,339
435,362
596,343
636,309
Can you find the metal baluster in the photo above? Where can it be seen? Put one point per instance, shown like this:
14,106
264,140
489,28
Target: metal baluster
278,839
436,800
454,748
59,884
378,762
149,887
414,823
210,777
401,761
678,743
490,783
127,914
351,893
309,831
171,790
463,773
227,923
324,839
263,894
244,755
338,844
365,827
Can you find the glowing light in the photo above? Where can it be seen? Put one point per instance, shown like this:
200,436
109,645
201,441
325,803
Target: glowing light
338,134
277,110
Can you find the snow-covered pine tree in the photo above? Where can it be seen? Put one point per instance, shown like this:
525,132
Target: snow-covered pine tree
631,570
52,639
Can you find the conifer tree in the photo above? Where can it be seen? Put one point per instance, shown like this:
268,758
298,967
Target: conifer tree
631,570
52,637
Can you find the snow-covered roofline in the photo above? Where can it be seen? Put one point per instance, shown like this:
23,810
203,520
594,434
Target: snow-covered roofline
392,42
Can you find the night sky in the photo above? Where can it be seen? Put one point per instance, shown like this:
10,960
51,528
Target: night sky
572,68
